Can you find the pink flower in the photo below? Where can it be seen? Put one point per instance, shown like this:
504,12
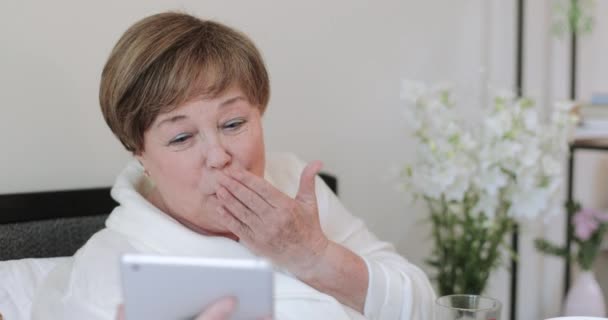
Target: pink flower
586,222
601,216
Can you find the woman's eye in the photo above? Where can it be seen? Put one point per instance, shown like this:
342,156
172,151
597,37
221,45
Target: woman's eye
234,124
179,139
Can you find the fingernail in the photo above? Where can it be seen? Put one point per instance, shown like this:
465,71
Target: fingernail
221,309
227,305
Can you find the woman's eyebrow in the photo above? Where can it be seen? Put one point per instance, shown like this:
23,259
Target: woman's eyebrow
232,100
180,117
172,119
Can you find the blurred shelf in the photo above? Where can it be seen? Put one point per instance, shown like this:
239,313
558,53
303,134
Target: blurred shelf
592,138
590,143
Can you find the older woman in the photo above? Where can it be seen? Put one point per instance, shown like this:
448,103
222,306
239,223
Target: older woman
186,97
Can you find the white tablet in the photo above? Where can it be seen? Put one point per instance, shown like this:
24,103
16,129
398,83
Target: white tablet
179,288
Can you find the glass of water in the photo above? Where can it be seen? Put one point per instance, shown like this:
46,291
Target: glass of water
467,307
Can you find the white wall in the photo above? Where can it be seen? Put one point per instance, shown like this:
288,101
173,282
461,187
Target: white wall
335,68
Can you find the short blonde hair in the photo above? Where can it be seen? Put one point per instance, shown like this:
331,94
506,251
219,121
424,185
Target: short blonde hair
169,58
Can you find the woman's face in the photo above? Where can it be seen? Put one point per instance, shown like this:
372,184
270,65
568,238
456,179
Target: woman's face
187,148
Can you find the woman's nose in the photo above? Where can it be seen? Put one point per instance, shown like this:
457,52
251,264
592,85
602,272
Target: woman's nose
218,157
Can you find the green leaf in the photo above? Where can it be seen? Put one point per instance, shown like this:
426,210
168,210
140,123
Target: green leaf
549,248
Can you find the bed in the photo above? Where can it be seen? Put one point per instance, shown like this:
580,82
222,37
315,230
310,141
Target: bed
38,230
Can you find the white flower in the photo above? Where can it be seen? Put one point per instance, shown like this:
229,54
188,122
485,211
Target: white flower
487,205
551,166
530,119
527,178
555,185
502,153
456,190
528,204
467,142
491,180
459,173
530,154
499,125
506,161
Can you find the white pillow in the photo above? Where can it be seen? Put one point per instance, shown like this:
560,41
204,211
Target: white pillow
18,282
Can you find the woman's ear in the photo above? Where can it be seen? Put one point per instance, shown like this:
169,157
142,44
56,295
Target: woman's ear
140,158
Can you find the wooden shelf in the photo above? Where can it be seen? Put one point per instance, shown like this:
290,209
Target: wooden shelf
590,143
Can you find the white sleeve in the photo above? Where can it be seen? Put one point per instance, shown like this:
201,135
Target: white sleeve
88,285
397,289
53,302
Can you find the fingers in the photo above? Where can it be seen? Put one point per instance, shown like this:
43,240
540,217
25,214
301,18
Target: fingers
306,191
238,209
235,225
120,313
245,195
219,310
258,185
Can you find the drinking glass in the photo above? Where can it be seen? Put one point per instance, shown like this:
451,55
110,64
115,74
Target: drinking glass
467,307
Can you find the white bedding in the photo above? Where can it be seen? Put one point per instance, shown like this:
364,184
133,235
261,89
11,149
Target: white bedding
18,282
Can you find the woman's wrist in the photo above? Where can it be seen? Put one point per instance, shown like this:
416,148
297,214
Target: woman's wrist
317,262
340,273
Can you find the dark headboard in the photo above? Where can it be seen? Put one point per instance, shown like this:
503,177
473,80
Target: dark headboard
57,223
36,206
50,224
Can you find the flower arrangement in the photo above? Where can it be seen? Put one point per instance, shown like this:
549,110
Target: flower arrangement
479,177
588,227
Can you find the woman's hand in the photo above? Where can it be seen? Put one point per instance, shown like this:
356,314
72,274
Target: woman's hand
219,310
288,232
272,224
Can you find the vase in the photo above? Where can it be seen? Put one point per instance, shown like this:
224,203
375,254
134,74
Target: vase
585,297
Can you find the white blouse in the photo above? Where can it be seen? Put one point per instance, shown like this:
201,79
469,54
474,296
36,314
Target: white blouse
88,286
